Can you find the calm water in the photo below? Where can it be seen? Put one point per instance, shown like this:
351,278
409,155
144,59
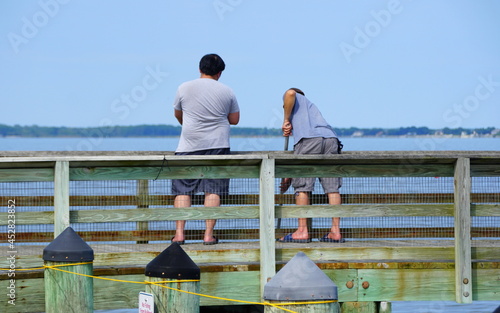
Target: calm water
277,144
245,144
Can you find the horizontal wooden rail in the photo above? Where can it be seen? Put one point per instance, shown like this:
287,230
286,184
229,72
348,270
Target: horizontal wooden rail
246,199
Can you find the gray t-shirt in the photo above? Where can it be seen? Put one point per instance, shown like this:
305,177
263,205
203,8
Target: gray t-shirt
307,121
205,104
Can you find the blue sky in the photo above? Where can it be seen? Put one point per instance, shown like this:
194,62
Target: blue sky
389,63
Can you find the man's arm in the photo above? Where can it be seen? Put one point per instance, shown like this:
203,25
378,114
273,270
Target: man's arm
233,118
288,104
178,115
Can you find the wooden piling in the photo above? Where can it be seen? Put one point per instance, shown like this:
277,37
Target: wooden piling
68,292
176,295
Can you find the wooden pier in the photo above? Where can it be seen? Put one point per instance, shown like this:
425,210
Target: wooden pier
458,262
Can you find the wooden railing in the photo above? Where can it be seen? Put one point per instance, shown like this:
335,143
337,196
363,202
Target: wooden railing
469,280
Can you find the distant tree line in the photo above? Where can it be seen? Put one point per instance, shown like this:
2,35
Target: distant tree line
414,131
169,130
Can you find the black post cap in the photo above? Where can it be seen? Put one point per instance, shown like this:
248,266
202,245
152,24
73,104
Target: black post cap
68,247
173,263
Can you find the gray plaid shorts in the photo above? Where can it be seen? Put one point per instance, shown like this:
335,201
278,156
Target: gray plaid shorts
317,145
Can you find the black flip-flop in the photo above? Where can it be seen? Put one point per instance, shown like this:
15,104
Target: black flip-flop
326,239
208,243
288,238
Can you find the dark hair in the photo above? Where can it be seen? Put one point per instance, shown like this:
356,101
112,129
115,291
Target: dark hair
297,90
211,64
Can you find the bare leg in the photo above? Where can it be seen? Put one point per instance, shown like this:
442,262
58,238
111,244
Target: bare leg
211,200
181,201
334,199
301,198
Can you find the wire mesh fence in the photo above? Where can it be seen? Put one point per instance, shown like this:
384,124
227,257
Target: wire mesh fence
485,190
156,194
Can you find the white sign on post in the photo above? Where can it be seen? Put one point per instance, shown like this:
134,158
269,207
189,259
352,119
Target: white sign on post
146,303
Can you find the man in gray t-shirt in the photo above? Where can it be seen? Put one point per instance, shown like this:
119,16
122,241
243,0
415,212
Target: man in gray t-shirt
205,108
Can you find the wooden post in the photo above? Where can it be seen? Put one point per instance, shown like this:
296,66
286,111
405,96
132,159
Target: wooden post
301,286
61,197
463,265
68,292
142,193
174,265
266,229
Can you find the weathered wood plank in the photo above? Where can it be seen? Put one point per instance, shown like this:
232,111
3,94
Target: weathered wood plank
485,210
485,284
425,285
26,174
163,214
463,275
360,170
44,159
61,197
111,295
266,222
406,285
29,218
365,210
30,296
170,172
349,254
485,253
479,157
327,253
485,170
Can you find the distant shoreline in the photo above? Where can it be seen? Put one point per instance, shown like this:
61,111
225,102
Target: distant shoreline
273,136
167,131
